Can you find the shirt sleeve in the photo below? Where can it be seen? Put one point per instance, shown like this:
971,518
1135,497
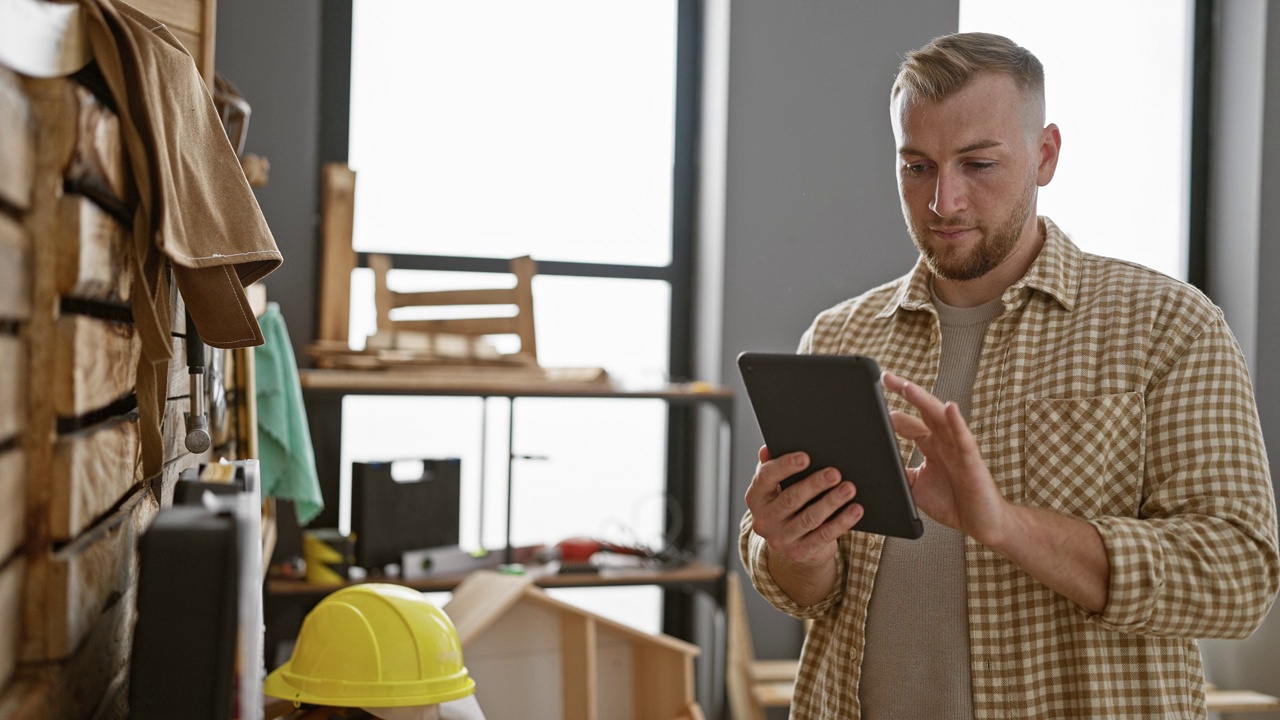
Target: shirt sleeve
755,558
1201,559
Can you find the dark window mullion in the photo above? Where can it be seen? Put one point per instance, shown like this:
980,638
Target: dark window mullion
454,263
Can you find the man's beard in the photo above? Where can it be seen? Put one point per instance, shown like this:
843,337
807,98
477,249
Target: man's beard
995,245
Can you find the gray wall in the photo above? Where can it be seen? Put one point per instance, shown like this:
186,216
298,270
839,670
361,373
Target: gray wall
271,52
1243,259
811,207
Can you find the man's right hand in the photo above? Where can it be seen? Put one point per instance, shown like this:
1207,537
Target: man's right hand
801,523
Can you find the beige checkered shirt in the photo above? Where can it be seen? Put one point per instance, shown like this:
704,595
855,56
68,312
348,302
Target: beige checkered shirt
1109,392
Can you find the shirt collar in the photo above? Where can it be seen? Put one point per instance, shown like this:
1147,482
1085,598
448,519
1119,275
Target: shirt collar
1054,272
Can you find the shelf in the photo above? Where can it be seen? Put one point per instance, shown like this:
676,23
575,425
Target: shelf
695,572
494,384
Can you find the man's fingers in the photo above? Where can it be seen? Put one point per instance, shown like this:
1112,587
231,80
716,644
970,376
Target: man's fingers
909,427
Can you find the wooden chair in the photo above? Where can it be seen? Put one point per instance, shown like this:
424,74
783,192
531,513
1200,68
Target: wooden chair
459,340
753,685
409,342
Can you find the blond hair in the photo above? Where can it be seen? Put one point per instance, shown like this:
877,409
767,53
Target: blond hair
947,64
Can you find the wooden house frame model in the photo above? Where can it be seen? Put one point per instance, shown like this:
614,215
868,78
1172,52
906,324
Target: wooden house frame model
528,650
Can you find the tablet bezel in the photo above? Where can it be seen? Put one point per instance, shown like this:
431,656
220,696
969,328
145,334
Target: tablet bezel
832,407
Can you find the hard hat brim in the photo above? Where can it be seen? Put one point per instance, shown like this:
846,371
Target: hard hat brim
282,683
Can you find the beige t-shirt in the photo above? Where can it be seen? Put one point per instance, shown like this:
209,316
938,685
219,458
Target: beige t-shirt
917,652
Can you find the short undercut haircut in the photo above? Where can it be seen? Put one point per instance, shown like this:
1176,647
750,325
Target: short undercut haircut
946,65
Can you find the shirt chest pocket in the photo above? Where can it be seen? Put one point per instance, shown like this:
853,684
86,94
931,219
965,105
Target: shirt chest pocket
1084,456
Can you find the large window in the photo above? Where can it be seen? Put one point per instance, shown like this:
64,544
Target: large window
493,129
1118,84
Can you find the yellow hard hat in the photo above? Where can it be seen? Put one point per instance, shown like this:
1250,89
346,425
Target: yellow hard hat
374,645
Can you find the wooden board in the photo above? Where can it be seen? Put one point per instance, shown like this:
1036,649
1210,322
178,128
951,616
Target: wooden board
93,470
11,576
88,682
95,363
193,23
17,152
1240,701
13,502
68,589
163,484
13,386
92,252
25,699
99,151
338,258
15,270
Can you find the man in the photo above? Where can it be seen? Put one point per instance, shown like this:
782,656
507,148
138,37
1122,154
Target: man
1087,449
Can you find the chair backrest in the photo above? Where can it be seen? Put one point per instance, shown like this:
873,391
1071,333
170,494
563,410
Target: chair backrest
432,334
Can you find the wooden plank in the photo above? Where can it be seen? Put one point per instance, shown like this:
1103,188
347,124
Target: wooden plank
162,485
463,326
13,502
481,600
180,14
17,152
1240,701
95,363
193,23
662,682
27,698
579,669
454,297
54,116
77,583
93,470
246,404
177,306
524,269
92,252
11,576
14,386
338,258
222,406
382,293
87,680
99,158
15,270
179,373
208,41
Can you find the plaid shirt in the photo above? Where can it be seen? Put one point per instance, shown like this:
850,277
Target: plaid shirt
1105,391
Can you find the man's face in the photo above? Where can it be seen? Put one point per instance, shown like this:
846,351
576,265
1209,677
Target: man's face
968,169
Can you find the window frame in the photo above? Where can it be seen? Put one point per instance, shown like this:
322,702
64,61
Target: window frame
334,146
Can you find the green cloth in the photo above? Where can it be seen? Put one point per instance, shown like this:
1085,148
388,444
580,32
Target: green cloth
288,462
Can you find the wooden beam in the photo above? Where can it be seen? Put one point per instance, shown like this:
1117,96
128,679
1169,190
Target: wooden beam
93,469
579,671
454,297
338,258
18,151
95,363
12,574
15,384
15,253
81,579
13,505
524,269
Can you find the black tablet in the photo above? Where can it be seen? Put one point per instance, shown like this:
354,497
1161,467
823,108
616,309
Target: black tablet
832,407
